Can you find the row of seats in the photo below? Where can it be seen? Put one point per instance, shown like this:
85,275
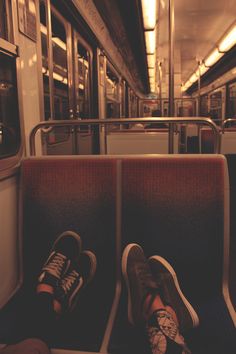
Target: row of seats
174,206
205,144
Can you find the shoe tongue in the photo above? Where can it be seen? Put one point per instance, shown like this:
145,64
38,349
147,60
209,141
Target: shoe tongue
152,284
61,255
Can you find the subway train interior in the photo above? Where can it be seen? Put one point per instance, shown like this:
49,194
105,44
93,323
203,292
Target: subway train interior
118,122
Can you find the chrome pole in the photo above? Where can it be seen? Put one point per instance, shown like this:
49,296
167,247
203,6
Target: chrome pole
199,108
171,73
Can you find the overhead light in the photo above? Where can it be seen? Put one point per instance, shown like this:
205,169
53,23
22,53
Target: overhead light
228,41
213,58
152,80
149,14
186,85
152,88
151,72
203,69
151,59
150,40
193,78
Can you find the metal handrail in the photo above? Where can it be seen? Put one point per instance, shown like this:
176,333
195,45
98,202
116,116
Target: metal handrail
226,121
101,122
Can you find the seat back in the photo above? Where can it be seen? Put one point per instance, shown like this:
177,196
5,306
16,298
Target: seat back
175,207
69,193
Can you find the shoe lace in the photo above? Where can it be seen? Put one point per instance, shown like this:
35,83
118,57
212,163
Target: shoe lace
69,280
55,266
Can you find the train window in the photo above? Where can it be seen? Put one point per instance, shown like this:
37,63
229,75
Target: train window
204,106
45,70
60,71
112,94
123,98
82,85
5,23
9,116
184,107
216,106
133,101
232,101
54,71
59,94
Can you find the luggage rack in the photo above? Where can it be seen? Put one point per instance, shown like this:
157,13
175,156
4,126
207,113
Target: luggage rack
104,122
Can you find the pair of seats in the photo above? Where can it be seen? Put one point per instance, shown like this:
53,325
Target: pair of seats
174,206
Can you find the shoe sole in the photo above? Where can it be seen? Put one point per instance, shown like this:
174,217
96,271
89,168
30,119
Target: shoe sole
93,261
189,307
125,275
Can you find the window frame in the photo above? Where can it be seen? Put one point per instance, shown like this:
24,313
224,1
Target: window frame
9,164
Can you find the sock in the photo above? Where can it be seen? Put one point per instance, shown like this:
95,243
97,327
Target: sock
163,334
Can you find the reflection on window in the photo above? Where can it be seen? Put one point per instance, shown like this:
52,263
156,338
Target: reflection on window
3,20
9,117
43,31
82,92
112,95
133,104
204,106
216,106
60,71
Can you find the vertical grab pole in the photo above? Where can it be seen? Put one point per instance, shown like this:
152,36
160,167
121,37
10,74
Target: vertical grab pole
171,73
199,107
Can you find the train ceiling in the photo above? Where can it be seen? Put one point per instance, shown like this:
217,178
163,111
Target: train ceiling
199,25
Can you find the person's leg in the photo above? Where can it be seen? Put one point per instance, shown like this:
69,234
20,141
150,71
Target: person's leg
148,303
27,346
65,273
63,256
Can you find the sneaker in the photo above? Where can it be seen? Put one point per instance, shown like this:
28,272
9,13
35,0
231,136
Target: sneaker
139,281
171,293
65,250
76,278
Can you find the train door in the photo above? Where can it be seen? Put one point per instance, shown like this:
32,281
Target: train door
66,71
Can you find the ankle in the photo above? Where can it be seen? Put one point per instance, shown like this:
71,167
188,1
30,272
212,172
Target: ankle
153,304
44,288
172,313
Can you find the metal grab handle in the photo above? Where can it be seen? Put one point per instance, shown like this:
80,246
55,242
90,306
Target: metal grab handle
7,129
226,121
104,122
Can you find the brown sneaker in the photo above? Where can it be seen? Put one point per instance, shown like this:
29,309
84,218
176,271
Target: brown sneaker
65,250
171,293
77,277
139,281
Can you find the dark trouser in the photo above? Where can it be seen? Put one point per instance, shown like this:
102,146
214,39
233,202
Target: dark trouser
27,346
38,323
